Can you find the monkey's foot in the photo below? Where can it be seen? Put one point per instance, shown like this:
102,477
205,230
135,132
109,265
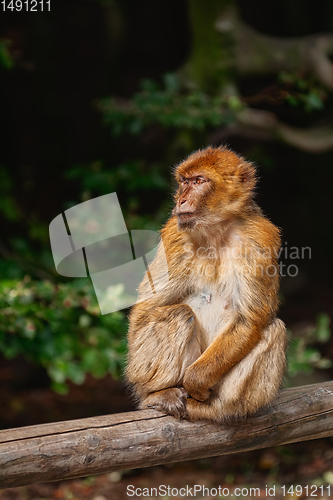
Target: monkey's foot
171,401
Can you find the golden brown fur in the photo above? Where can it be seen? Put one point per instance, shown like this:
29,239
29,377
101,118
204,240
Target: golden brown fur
208,345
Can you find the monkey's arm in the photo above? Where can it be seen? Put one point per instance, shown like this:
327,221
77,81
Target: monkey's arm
161,329
230,347
166,282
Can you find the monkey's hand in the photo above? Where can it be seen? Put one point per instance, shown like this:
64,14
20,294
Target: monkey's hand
197,383
171,401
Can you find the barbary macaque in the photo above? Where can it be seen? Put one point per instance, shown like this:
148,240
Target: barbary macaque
208,346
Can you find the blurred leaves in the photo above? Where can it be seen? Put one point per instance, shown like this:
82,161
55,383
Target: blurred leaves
8,207
5,57
304,354
61,328
170,107
130,177
303,91
135,181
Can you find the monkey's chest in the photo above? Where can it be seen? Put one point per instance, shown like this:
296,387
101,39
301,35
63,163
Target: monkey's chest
212,310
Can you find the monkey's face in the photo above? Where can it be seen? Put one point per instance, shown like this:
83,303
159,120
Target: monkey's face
193,191
215,185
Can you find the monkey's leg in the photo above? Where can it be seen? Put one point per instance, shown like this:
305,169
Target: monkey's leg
161,347
251,384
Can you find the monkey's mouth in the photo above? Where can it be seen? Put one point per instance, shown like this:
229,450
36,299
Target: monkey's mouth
186,220
185,215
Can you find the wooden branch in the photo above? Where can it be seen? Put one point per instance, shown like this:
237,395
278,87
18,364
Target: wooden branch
265,126
79,448
259,54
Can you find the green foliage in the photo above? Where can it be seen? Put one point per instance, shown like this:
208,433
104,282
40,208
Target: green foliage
61,328
303,91
134,181
170,107
304,354
5,57
8,207
130,178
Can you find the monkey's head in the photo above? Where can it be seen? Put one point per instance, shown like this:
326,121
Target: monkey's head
215,186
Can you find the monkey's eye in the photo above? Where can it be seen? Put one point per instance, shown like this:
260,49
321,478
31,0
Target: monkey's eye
183,180
199,180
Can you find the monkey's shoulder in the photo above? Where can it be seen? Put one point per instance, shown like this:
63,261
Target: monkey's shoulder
258,231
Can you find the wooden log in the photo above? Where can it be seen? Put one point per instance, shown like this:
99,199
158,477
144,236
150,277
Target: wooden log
90,446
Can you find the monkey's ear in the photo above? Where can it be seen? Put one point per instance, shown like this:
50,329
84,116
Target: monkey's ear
246,174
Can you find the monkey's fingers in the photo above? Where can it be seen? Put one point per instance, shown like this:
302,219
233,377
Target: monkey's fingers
171,401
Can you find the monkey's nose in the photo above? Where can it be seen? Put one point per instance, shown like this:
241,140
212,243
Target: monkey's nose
184,207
